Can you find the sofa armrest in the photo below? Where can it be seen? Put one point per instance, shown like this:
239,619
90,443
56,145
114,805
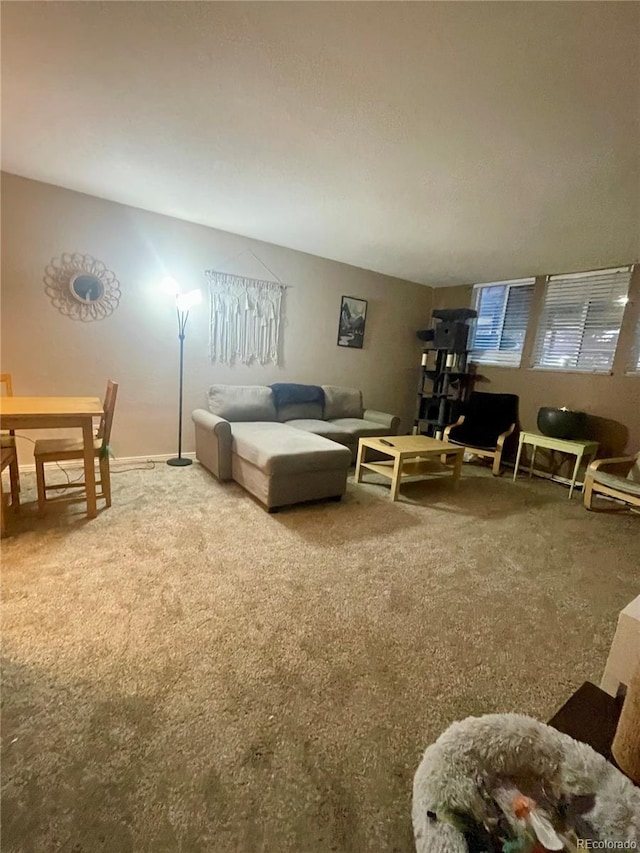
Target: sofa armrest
391,422
213,443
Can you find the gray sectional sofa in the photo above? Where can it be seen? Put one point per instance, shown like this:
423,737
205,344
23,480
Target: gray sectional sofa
285,443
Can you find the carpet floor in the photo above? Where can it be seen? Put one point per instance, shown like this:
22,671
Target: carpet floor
188,673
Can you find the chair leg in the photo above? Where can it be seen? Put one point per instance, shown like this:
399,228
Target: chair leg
588,491
105,477
497,459
3,519
42,496
14,476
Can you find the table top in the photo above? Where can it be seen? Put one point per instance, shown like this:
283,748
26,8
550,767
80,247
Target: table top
50,406
413,444
530,437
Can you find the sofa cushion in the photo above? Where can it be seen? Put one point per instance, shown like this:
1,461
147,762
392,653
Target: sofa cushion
342,402
320,427
280,449
293,411
356,427
242,402
624,484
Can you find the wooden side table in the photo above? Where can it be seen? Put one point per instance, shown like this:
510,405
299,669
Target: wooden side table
578,448
624,655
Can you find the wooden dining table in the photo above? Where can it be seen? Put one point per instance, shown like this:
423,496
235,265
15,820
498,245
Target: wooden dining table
58,413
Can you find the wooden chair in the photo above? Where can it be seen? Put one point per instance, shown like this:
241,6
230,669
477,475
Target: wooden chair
5,379
488,421
7,439
10,461
65,449
615,485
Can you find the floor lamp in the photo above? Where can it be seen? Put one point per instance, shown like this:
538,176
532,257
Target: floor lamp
184,303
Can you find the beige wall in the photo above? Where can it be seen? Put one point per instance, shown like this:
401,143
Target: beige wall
48,353
612,401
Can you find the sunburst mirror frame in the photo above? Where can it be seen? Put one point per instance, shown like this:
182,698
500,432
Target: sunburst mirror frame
81,287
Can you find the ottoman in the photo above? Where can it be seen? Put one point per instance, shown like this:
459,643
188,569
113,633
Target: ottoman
281,465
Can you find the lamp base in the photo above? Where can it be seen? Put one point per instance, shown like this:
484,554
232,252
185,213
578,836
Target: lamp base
180,461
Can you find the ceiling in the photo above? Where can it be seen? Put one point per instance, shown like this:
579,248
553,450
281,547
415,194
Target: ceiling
444,143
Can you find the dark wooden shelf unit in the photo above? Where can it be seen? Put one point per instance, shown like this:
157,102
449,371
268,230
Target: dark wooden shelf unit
442,388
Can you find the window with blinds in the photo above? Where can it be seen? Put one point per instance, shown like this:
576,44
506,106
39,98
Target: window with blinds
634,361
503,315
580,320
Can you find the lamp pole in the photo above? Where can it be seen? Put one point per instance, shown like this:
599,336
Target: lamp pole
180,460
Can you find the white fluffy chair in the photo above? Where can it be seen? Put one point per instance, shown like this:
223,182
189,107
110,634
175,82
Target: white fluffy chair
509,744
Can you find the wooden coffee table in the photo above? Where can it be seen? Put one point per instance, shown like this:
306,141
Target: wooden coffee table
409,456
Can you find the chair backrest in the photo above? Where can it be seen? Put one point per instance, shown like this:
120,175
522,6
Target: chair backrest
104,430
5,381
8,456
494,411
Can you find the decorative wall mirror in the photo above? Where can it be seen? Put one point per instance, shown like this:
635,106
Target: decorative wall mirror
86,288
81,287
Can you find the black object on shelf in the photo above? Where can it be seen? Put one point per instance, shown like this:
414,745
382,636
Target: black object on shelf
425,334
451,336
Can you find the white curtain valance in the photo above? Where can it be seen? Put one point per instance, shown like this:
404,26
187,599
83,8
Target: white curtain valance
245,319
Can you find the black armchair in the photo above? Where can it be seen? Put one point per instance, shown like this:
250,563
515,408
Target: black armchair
488,420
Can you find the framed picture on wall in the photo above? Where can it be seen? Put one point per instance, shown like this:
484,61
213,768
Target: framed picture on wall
353,315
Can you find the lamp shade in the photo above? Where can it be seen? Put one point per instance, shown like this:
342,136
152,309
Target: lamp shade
169,286
185,301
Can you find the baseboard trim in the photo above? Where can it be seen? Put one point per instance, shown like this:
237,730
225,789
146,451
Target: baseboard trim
115,461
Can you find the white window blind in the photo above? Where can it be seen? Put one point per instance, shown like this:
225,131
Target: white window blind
580,320
503,315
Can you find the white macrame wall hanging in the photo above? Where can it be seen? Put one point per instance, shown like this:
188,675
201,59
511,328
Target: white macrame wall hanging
245,320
